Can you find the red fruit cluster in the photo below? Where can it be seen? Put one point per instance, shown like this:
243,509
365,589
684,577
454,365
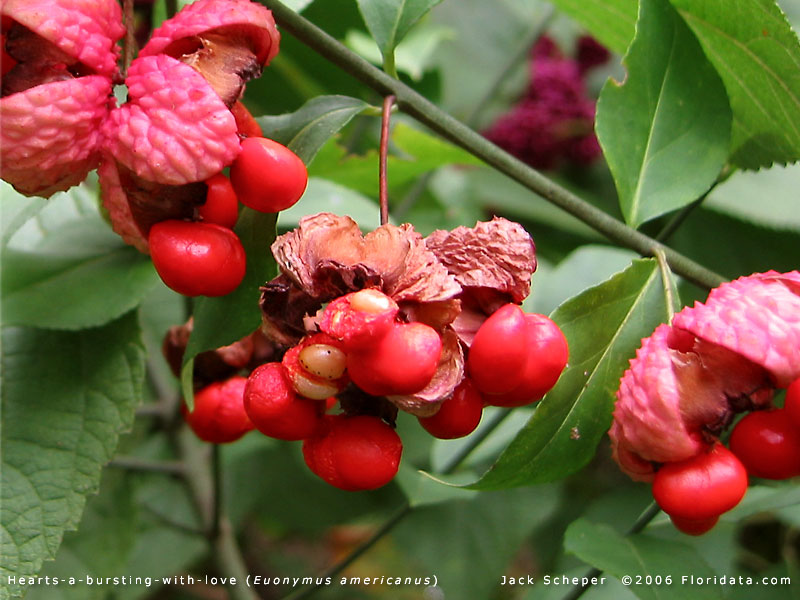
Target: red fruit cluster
365,350
764,443
768,441
204,256
554,121
688,382
159,155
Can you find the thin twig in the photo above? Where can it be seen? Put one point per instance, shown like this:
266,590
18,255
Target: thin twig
680,217
383,185
401,513
592,574
133,463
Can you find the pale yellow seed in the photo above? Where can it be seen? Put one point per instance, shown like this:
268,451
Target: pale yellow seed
371,301
313,389
323,360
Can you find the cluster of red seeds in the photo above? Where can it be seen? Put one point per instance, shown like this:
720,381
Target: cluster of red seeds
764,443
205,257
514,360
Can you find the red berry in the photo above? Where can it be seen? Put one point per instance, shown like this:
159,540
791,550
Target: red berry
547,355
221,206
402,361
701,487
694,526
197,259
792,403
354,453
359,318
219,416
768,444
267,176
458,415
497,356
274,407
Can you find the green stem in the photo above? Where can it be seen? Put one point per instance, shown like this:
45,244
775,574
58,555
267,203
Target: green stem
427,113
644,519
133,463
683,214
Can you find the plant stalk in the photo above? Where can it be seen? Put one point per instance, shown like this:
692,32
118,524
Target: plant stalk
383,179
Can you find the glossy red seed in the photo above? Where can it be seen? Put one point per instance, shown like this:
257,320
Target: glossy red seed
274,407
547,356
402,361
219,416
496,358
354,453
694,526
221,206
267,176
701,487
458,416
768,444
197,259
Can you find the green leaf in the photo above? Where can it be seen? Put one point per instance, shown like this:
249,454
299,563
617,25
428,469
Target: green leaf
17,209
65,269
641,556
306,130
223,320
665,131
757,55
736,196
612,22
66,398
413,55
390,20
604,325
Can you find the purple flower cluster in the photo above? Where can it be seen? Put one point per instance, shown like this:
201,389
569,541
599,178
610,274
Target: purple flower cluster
554,122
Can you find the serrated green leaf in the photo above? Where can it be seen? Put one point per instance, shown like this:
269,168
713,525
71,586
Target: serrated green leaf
604,325
612,22
390,20
307,129
757,54
65,269
665,131
643,558
43,291
66,398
